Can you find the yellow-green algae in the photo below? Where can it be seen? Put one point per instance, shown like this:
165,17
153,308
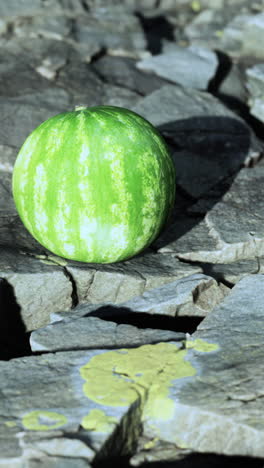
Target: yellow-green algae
118,378
10,423
201,345
41,420
97,420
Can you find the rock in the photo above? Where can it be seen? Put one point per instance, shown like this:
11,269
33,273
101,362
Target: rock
178,64
236,222
121,281
119,96
209,142
206,27
233,85
114,27
194,296
7,158
37,289
232,229
26,117
231,273
7,206
92,332
46,405
122,71
53,27
223,395
255,86
243,35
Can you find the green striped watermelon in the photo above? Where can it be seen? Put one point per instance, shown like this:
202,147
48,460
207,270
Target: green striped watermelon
95,184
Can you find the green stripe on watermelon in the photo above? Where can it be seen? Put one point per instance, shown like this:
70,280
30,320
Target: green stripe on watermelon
94,185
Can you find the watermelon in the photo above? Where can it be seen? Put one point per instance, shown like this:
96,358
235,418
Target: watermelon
94,184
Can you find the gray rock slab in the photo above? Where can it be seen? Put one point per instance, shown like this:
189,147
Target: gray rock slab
184,396
219,408
119,96
255,86
178,64
194,295
37,289
8,156
45,407
243,35
52,27
233,227
122,71
114,27
231,273
92,332
16,8
26,117
234,84
209,142
206,26
187,234
7,205
119,282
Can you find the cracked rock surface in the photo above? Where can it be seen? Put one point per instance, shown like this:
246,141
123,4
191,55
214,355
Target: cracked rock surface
157,360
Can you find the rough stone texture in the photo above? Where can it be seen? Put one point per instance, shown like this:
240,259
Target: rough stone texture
255,85
38,289
177,66
122,281
208,137
215,390
197,398
122,71
244,34
194,295
219,409
236,236
92,332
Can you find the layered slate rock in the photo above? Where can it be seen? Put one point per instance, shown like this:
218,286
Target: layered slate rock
123,371
122,71
93,332
244,34
235,223
177,66
123,280
50,414
255,85
209,142
35,290
219,408
193,296
185,395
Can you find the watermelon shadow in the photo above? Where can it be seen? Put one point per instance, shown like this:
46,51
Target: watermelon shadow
208,153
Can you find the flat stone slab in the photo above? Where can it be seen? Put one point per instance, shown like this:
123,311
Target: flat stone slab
243,35
194,296
121,281
184,394
233,226
219,408
178,64
33,290
255,86
92,332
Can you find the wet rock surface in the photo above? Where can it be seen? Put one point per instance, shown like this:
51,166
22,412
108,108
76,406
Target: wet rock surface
156,361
